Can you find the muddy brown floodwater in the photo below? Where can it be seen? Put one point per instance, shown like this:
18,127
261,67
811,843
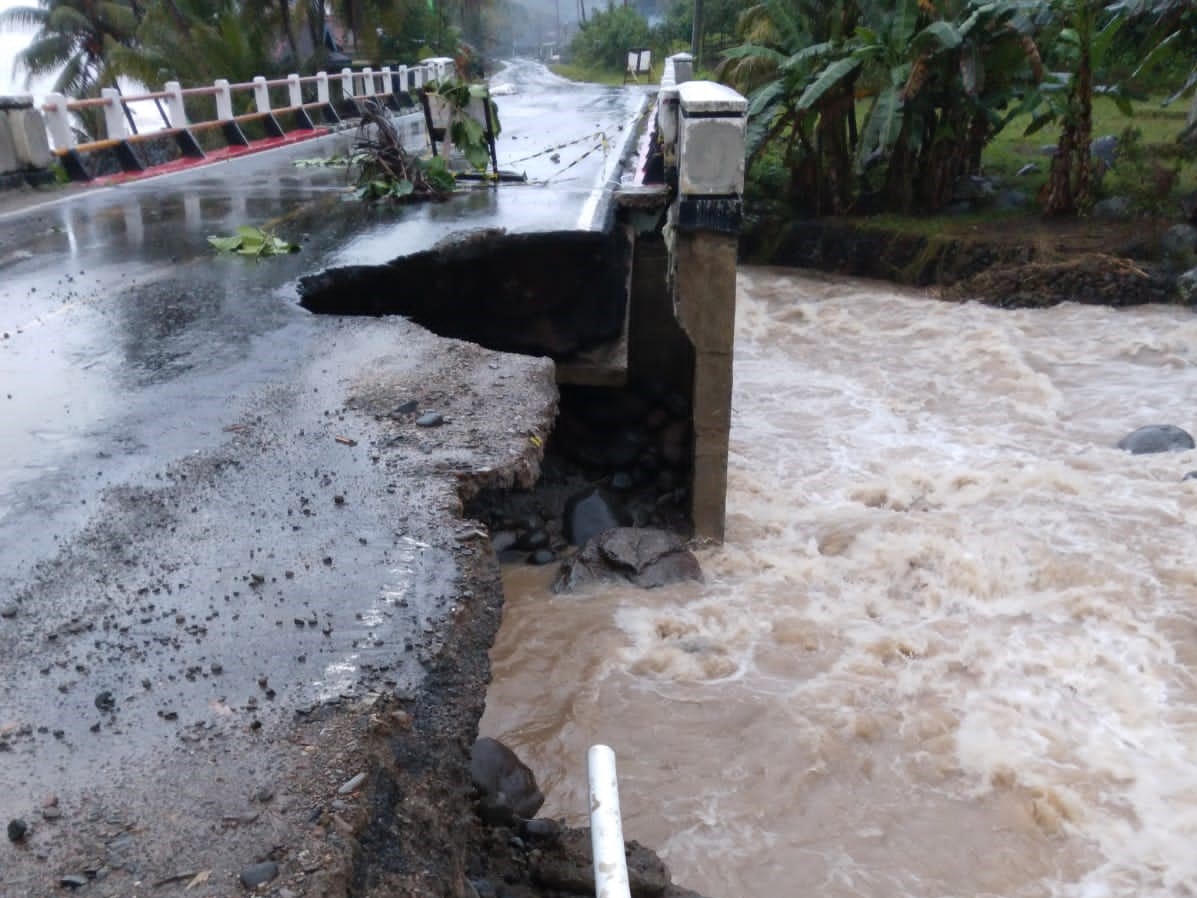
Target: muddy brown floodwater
950,644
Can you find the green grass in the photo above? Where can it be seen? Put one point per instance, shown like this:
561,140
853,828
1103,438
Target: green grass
600,75
1011,149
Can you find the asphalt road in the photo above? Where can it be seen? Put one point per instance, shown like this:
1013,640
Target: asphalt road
218,516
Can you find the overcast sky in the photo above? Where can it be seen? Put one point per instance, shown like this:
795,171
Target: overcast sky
12,43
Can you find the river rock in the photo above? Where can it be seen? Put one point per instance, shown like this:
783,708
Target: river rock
1186,288
1105,150
1113,208
589,513
506,785
643,557
256,874
570,867
1180,242
1156,438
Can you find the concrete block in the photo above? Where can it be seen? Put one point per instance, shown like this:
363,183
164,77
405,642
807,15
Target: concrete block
683,67
703,99
30,140
706,289
711,156
712,129
8,152
667,117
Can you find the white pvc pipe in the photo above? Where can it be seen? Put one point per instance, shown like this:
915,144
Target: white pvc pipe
606,826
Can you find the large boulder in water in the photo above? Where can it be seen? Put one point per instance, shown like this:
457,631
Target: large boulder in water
642,557
506,786
589,513
1156,438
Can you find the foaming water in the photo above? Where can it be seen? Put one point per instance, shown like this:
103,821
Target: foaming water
949,647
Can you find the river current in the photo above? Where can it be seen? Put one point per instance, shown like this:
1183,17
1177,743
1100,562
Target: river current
949,647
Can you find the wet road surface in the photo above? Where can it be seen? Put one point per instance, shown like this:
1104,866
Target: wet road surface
217,514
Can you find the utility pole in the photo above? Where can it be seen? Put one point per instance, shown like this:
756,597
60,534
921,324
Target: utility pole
696,36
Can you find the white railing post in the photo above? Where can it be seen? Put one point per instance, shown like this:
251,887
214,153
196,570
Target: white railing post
224,100
683,67
175,106
58,121
711,131
294,91
403,85
114,114
347,83
261,94
388,82
322,88
606,826
368,82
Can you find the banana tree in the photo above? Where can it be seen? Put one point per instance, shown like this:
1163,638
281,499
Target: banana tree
783,66
944,88
1174,26
1084,35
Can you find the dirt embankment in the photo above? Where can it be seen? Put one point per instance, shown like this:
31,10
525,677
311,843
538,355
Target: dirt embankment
1024,262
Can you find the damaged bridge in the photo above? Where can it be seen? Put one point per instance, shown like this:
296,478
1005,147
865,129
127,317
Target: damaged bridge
244,620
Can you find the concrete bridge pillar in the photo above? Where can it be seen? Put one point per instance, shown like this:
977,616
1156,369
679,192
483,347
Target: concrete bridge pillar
706,225
24,149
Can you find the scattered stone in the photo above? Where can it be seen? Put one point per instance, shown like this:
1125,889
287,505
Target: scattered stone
8,611
1011,199
257,874
430,419
1105,149
506,785
1186,287
17,829
1157,438
1192,475
589,513
533,539
264,794
543,828
503,540
643,557
351,784
1180,242
338,499
542,557
73,881
410,407
1113,208
51,813
105,701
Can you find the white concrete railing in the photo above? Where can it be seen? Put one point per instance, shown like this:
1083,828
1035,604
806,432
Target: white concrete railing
702,127
351,87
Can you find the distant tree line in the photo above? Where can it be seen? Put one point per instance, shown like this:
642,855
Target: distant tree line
88,44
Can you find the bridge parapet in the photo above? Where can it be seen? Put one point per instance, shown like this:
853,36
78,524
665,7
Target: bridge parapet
682,314
234,116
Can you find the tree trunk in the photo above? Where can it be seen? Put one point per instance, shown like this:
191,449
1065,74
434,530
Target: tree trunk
1084,131
284,8
1060,199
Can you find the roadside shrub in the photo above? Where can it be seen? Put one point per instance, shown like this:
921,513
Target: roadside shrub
1143,174
605,39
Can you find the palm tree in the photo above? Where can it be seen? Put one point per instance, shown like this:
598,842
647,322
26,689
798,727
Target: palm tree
75,38
197,41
